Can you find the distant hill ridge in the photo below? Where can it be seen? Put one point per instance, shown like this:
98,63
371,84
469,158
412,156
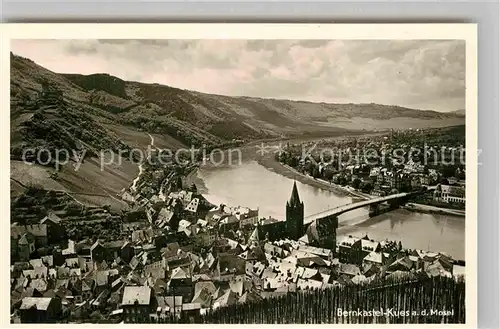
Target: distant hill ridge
102,111
217,118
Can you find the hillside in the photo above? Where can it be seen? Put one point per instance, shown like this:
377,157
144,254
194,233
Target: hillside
249,117
197,118
101,112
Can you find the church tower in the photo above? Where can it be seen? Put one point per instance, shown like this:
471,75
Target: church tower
294,215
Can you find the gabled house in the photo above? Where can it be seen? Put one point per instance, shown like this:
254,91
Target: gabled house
203,293
137,303
40,310
227,299
373,258
345,249
401,264
181,283
39,231
97,252
361,248
349,270
127,251
25,246
55,232
174,304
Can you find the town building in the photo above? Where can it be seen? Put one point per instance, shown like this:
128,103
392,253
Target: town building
40,309
449,194
293,226
137,303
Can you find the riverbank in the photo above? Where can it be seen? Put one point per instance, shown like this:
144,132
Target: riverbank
287,171
433,210
255,185
290,172
271,164
193,178
268,162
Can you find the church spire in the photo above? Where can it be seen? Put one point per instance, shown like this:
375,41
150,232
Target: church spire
294,199
294,215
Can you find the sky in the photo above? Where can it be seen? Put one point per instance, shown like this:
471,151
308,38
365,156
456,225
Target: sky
422,74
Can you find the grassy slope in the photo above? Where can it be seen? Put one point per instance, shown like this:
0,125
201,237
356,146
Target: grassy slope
102,111
75,123
250,117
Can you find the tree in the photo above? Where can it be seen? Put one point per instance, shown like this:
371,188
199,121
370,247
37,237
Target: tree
328,174
366,187
448,171
308,168
315,172
356,183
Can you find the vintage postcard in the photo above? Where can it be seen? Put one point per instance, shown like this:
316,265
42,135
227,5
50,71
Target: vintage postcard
241,173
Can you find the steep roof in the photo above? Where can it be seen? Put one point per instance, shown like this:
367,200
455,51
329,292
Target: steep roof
369,245
173,300
349,269
39,230
52,218
178,273
141,294
375,257
95,245
40,303
204,294
254,237
348,241
249,297
294,198
26,239
403,262
227,299
304,239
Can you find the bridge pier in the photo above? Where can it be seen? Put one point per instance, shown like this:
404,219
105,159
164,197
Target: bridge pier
395,204
374,210
332,238
326,228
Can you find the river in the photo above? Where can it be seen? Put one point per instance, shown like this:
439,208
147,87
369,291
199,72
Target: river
252,185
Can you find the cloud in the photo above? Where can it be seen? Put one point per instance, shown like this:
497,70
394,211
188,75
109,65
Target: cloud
128,41
426,74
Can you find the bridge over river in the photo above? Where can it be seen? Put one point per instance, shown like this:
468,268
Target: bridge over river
334,212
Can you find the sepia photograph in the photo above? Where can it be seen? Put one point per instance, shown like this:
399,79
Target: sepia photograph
242,180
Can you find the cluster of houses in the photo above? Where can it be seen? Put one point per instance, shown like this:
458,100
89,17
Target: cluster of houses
157,273
450,194
25,239
381,181
177,256
138,282
402,180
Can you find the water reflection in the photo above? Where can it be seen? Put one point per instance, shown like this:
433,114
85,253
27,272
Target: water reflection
255,186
